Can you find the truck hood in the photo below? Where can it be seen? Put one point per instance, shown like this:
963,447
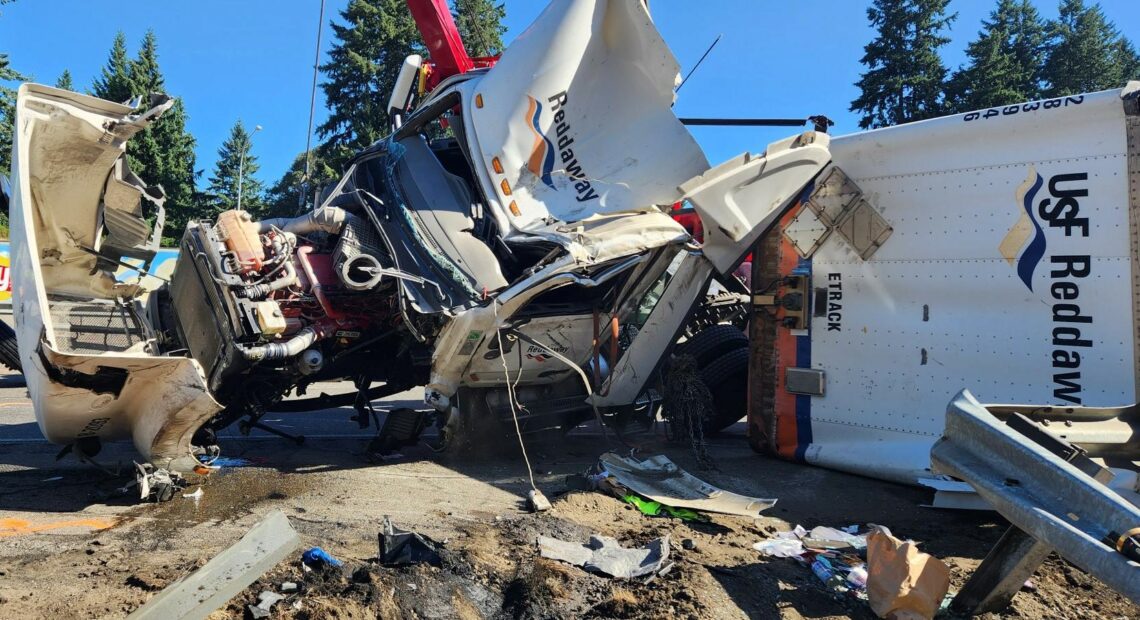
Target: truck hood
578,112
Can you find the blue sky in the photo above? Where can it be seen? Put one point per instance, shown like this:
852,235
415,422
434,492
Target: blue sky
252,59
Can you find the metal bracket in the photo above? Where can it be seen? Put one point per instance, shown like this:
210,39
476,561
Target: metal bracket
804,381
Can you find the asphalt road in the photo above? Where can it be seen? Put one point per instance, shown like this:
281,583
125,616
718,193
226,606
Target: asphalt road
18,420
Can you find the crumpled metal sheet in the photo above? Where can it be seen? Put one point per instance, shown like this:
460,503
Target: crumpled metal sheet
661,480
605,555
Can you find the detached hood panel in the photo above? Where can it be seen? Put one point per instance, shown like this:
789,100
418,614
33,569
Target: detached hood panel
579,113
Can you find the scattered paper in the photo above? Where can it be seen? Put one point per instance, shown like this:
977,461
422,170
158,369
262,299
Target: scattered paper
780,548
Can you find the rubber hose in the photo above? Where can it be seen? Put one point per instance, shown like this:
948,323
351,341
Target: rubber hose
276,351
325,219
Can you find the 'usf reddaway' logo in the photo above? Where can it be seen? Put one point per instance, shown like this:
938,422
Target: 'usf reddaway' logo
544,152
541,161
1025,244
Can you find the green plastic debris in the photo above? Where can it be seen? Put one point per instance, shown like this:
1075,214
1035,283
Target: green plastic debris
657,509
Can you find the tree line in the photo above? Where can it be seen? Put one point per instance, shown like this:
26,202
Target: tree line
1017,56
370,43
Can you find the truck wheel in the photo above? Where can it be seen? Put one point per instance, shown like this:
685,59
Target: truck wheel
9,353
727,379
711,343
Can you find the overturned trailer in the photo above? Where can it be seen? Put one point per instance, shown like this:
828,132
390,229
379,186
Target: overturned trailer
994,251
526,257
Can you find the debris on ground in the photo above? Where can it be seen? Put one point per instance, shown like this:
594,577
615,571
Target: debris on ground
780,548
837,557
605,555
536,501
659,479
903,582
265,602
228,573
657,509
316,557
156,484
398,548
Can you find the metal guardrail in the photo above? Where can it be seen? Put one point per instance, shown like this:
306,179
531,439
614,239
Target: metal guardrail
1051,505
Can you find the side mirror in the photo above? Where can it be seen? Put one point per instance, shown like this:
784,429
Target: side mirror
406,86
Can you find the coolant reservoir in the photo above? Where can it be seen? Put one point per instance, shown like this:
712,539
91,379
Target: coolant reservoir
239,232
269,317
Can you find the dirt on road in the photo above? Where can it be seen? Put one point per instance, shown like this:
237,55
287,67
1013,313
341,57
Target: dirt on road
73,546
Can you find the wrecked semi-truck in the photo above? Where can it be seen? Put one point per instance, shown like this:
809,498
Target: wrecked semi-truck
993,251
524,259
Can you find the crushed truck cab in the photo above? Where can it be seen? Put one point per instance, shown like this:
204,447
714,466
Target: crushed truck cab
524,256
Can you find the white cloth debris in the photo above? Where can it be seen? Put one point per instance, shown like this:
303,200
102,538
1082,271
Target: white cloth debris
780,547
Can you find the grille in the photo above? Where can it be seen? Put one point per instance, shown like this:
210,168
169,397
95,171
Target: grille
95,326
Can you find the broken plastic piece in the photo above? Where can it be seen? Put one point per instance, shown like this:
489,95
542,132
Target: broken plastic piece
265,602
606,556
660,480
830,538
398,547
657,509
536,501
157,484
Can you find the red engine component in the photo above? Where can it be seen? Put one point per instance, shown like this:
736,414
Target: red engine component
319,276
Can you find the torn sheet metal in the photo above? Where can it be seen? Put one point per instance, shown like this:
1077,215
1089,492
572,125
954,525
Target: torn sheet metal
85,344
661,480
605,555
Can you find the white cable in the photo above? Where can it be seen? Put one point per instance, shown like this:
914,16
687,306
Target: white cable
511,391
585,381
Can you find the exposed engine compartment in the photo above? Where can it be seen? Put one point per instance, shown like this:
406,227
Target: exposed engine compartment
270,305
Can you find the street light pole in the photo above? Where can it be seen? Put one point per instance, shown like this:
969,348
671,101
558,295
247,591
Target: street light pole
241,161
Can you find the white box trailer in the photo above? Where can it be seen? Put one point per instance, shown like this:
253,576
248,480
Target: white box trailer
994,251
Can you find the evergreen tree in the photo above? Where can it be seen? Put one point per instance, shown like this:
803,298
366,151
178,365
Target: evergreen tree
1083,51
480,24
164,153
904,77
285,198
1005,60
143,72
236,166
114,83
7,111
1127,60
369,50
64,81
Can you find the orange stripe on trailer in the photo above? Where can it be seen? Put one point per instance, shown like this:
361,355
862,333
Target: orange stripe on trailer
786,427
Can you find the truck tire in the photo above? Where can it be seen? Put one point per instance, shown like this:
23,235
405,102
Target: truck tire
711,343
727,379
9,353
